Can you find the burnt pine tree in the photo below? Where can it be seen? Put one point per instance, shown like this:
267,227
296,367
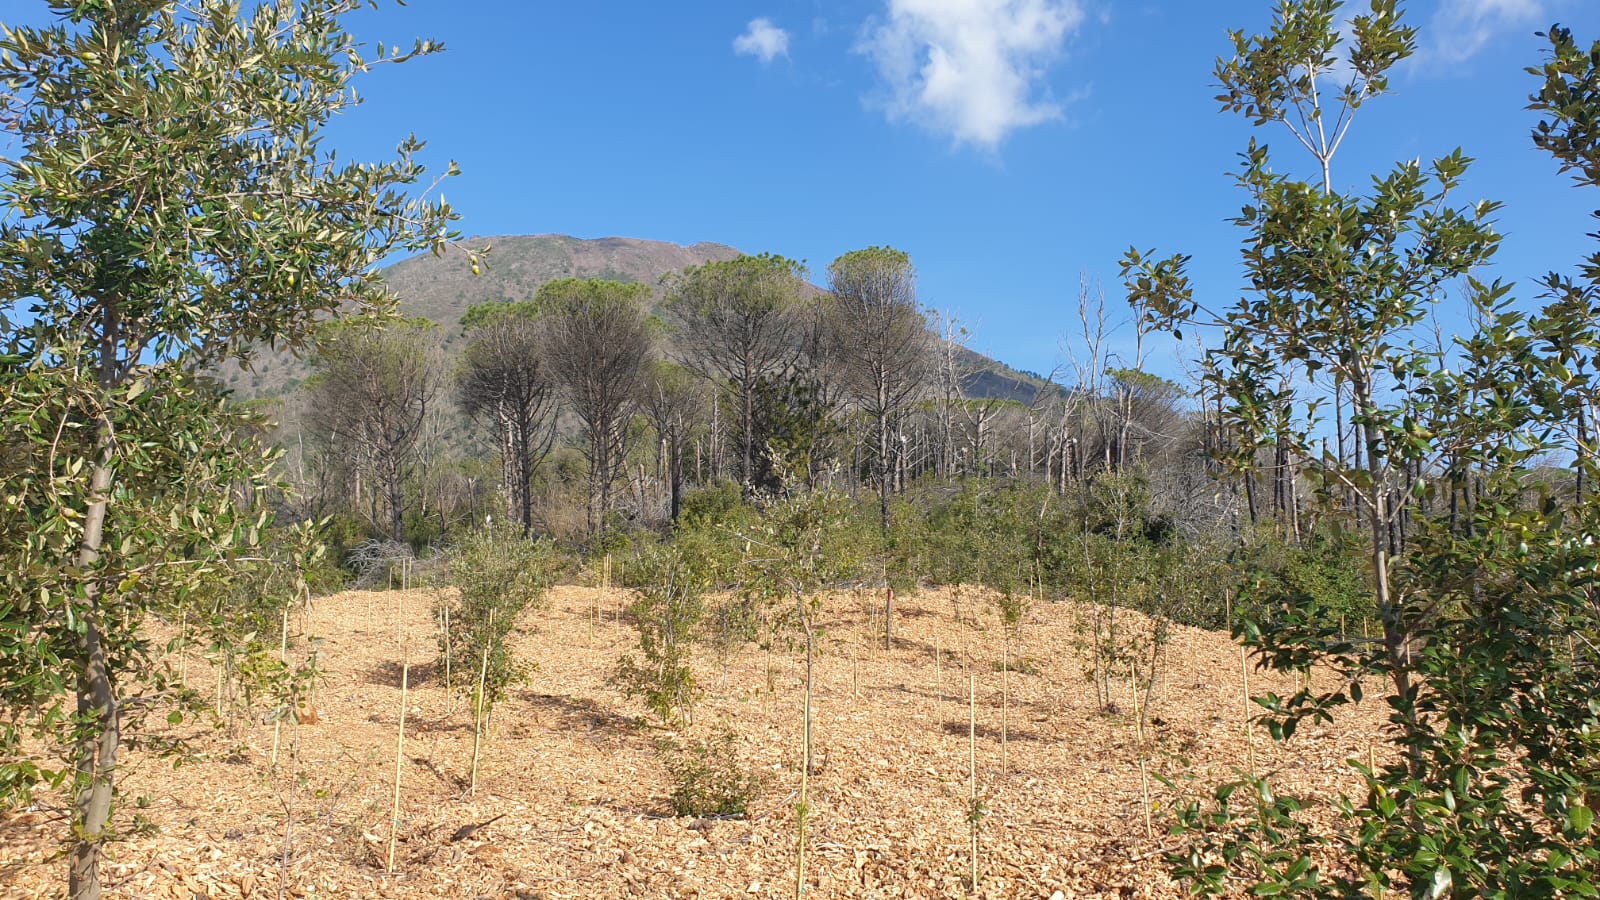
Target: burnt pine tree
372,386
598,342
738,322
504,383
881,347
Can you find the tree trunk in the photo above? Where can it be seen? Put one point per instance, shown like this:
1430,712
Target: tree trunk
97,762
100,719
599,482
397,522
883,471
747,474
675,476
1396,643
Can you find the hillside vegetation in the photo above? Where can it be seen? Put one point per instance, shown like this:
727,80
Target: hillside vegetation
613,568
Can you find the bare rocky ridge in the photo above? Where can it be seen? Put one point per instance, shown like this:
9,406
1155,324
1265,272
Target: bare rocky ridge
441,288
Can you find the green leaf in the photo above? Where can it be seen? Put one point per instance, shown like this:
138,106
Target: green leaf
1579,818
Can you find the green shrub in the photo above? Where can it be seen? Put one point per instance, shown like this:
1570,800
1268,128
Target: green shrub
708,778
670,584
719,502
499,575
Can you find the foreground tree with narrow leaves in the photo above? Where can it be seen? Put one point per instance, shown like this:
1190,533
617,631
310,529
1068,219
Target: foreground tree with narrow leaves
169,207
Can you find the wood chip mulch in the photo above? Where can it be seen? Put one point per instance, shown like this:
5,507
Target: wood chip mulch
572,797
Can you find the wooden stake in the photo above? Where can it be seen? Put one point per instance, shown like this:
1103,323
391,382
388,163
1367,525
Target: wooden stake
803,809
283,657
1249,733
1166,678
1144,788
400,610
855,672
399,759
448,684
888,617
972,768
183,647
1005,702
477,723
1138,711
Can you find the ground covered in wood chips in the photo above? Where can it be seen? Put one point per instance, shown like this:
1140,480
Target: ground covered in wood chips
578,796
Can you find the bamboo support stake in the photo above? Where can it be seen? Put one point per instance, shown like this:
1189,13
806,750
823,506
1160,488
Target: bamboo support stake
1144,789
855,672
1005,704
400,610
961,631
399,759
1166,678
183,647
803,809
1138,711
972,768
449,685
1249,733
477,723
283,657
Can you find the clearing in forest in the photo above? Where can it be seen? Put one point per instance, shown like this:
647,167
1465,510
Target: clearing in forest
576,796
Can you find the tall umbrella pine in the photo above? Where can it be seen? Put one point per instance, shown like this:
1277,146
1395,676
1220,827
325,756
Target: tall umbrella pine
149,231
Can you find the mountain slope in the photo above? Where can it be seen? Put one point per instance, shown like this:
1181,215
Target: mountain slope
441,288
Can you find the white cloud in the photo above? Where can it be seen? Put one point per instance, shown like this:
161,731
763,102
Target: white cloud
969,68
1461,28
763,40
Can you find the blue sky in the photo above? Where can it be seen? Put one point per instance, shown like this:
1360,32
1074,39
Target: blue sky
1007,145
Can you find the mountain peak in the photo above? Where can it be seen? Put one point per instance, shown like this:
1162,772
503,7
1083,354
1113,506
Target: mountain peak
441,288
